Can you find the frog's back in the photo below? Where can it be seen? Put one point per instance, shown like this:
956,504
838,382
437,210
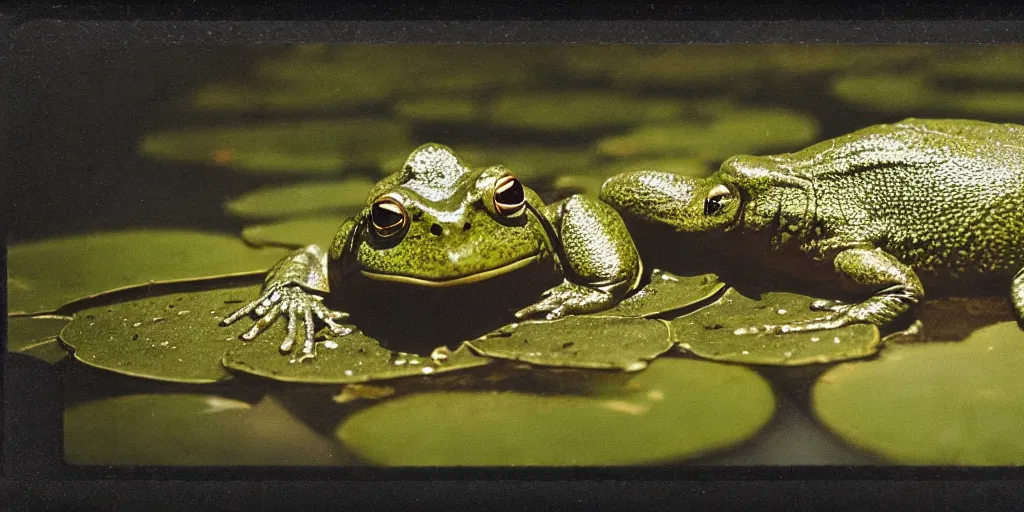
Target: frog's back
944,196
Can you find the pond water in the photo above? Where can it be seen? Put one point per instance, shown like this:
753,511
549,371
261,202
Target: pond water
198,168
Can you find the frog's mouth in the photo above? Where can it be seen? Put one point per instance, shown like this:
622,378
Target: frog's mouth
468,279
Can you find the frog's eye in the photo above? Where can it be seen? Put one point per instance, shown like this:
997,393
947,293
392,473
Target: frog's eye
713,202
388,216
509,196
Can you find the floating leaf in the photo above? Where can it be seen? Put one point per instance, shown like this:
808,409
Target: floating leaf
667,292
295,233
41,279
952,403
914,92
347,197
309,147
270,97
175,337
734,131
37,337
190,430
676,65
352,358
674,410
579,342
708,332
579,110
441,110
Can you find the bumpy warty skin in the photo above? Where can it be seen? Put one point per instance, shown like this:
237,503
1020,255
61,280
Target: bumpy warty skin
944,197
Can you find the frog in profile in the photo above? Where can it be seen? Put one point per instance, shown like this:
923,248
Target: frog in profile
890,210
439,224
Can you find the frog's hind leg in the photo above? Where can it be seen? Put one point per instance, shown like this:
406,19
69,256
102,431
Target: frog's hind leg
1017,296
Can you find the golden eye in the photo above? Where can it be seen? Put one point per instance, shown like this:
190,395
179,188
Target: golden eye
713,203
388,216
509,196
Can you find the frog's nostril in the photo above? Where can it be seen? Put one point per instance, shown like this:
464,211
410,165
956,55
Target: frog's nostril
435,229
466,226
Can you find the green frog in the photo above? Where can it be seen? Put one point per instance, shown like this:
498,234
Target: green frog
891,209
439,224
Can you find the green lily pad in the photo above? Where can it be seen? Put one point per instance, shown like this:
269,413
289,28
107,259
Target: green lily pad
667,292
579,110
37,337
676,65
295,233
708,332
310,147
674,410
617,343
913,92
983,64
954,403
801,59
347,196
41,279
190,430
175,337
264,97
441,110
735,131
354,358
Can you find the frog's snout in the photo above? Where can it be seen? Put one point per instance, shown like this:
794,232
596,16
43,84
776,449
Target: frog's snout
649,194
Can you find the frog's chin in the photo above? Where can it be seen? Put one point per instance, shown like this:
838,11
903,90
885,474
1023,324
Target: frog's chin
456,281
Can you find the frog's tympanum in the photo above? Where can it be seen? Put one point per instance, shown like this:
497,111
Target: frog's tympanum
892,209
437,223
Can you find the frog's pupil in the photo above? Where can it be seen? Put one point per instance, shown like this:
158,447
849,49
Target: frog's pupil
510,194
386,215
712,205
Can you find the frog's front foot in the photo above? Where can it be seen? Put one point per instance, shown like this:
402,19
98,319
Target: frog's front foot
296,304
568,298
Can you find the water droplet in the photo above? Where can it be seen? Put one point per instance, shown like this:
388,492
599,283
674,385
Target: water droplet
159,319
348,373
781,311
635,366
427,370
440,354
687,346
183,312
399,362
137,324
835,340
815,340
788,354
330,344
414,361
746,352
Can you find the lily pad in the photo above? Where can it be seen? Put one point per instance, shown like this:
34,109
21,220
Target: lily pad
914,92
354,358
667,292
175,337
709,332
441,110
41,279
737,131
309,147
676,65
579,342
580,110
983,64
674,410
190,430
37,337
953,403
269,97
347,197
295,233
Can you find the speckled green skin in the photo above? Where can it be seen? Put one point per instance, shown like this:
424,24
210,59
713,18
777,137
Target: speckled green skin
455,236
892,209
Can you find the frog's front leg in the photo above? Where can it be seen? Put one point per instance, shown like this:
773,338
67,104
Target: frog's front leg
601,262
899,289
294,287
1017,296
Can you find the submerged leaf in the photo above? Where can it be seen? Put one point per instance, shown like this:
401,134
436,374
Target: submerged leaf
308,147
43,276
936,403
190,430
579,342
709,332
732,131
296,232
910,93
674,410
348,196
